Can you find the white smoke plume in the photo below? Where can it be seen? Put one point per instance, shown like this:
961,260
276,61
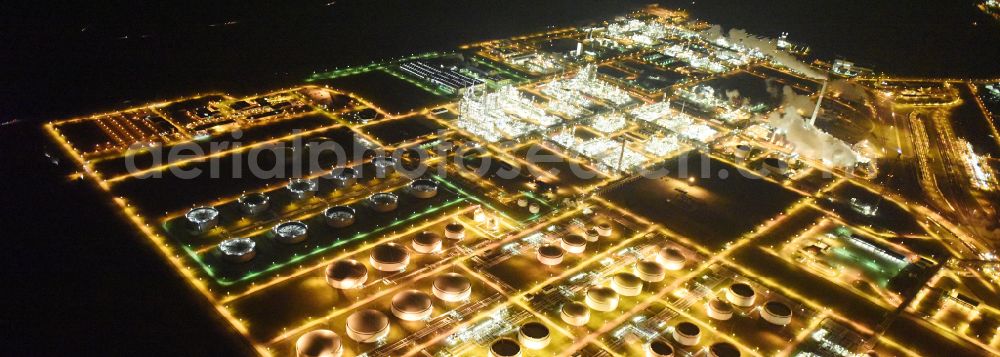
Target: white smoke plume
802,104
849,90
811,142
772,87
807,140
766,46
713,33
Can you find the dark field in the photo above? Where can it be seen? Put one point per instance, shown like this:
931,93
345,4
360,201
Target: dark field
396,131
386,91
889,217
570,174
716,209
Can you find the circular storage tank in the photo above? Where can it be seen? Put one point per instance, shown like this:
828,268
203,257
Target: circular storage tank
340,216
592,235
741,294
384,165
253,204
412,305
626,284
604,229
649,271
454,230
533,335
742,151
550,254
602,299
290,232
203,219
659,348
671,258
575,313
573,243
346,274
367,326
522,202
452,287
723,349
423,188
505,347
383,202
319,343
719,310
390,257
775,166
302,188
238,250
345,177
777,313
687,334
426,242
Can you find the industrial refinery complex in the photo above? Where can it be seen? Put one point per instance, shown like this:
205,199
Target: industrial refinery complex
647,185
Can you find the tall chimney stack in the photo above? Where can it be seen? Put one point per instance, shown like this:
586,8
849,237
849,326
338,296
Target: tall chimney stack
819,102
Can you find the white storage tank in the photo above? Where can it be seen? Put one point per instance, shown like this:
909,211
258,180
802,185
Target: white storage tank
238,250
573,244
602,299
777,313
626,284
550,254
452,287
426,242
346,274
389,257
202,219
319,343
367,326
290,232
412,305
687,333
741,294
671,258
533,335
575,313
649,271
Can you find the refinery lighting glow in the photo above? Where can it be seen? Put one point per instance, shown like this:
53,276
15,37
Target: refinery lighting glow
648,184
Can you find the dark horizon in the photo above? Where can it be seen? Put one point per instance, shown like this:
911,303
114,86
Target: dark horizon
74,59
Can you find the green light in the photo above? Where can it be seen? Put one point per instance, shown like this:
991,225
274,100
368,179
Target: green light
227,282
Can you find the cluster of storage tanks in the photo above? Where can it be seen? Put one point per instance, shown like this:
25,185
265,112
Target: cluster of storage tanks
530,335
628,284
551,254
415,305
369,325
742,295
738,295
236,250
